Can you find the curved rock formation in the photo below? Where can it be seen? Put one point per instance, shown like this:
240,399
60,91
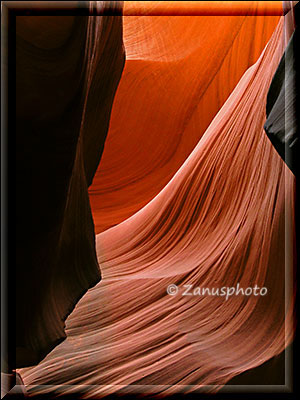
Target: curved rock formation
218,222
67,72
179,71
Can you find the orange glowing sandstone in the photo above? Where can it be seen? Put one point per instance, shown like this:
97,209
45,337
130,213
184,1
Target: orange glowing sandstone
179,71
222,219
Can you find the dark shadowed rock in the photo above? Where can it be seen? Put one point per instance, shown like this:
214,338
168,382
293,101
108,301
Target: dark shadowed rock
67,72
281,125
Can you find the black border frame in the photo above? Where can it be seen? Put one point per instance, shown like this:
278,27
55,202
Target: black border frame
10,10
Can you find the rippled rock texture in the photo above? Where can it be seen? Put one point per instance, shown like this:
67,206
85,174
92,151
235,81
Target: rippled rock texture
208,197
179,71
67,72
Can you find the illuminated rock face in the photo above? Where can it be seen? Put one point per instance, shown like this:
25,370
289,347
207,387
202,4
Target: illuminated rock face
179,71
219,221
68,69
